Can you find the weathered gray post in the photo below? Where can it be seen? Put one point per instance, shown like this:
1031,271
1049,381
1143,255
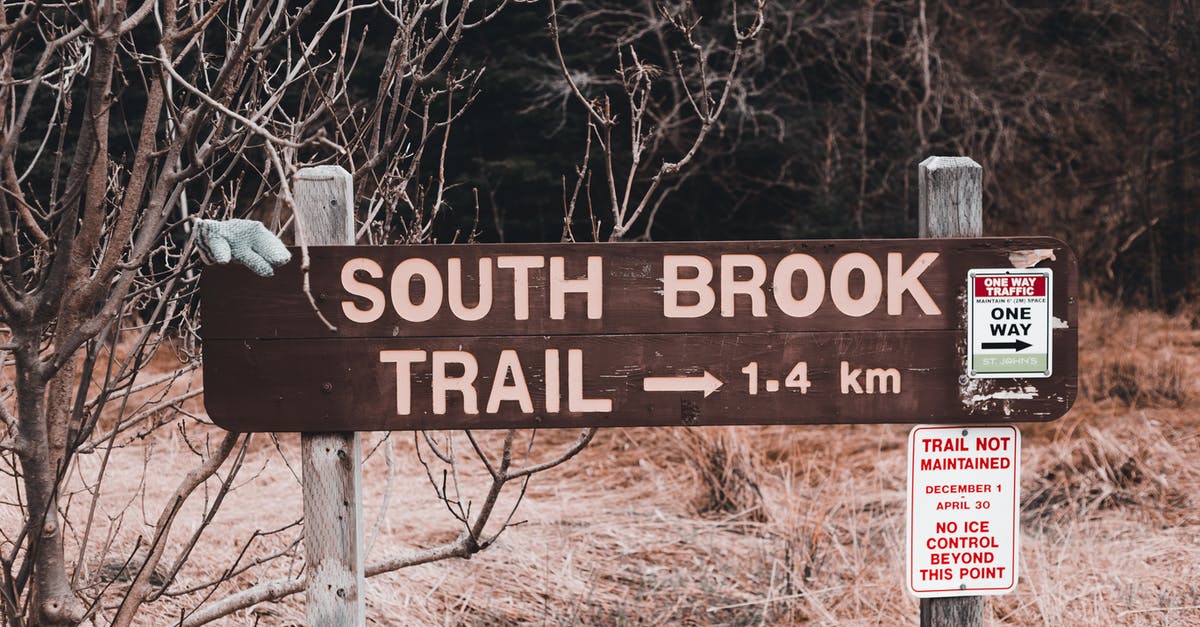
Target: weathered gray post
951,191
332,462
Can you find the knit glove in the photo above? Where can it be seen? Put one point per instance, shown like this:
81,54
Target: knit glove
246,241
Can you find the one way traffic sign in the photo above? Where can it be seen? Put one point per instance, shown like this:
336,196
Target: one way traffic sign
1008,326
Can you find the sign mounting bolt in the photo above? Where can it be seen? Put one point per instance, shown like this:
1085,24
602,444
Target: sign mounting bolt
326,387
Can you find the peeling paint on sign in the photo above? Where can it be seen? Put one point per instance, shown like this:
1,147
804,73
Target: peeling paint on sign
1030,258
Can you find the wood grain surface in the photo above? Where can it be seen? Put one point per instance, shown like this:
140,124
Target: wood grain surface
271,366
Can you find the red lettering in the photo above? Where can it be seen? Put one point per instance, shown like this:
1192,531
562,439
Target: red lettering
1001,286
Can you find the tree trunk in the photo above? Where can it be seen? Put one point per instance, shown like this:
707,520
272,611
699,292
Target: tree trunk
53,600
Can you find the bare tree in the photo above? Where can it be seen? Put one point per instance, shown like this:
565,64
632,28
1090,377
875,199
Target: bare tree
637,174
121,126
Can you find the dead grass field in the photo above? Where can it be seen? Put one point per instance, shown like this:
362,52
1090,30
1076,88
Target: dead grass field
722,526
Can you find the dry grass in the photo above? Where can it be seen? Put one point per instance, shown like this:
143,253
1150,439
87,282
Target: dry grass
749,526
1140,358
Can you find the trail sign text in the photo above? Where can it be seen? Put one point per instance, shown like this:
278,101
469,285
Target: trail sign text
963,502
555,335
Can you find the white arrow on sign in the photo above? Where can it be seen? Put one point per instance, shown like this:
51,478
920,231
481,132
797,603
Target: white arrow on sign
708,384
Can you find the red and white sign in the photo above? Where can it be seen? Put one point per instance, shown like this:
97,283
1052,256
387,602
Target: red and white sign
963,504
1009,323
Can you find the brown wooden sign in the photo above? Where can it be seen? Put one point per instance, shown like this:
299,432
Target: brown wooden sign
559,335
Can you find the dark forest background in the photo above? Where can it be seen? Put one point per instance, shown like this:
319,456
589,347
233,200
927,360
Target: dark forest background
1083,115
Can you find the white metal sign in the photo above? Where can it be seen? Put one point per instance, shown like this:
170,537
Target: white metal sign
963,496
1008,323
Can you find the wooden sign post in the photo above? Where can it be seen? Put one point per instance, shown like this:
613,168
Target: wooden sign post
331,461
629,334
951,205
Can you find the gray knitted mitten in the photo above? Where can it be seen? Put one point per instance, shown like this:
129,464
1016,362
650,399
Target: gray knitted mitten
247,242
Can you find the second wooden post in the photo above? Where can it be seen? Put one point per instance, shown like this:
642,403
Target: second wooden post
951,190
